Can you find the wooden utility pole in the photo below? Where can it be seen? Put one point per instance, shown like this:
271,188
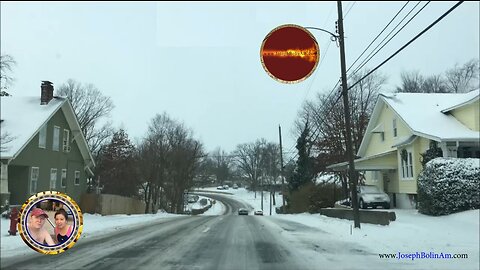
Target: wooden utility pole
351,165
281,167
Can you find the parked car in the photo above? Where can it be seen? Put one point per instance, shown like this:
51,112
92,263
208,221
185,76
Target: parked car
220,187
225,187
235,186
258,213
372,196
242,211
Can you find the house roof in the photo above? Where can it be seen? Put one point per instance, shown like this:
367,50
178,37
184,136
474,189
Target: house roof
463,100
344,165
22,118
426,115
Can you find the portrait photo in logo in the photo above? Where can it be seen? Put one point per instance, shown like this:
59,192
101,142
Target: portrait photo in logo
289,53
50,222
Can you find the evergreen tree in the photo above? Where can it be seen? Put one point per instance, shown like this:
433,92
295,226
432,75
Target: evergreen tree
303,172
117,168
432,152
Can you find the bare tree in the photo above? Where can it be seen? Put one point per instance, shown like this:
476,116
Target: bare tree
463,78
6,66
90,106
222,164
248,158
270,163
434,84
459,79
169,158
5,138
412,82
325,115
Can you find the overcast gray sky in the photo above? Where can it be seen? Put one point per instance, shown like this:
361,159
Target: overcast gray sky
200,62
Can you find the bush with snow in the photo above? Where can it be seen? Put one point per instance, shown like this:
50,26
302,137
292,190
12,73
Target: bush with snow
449,185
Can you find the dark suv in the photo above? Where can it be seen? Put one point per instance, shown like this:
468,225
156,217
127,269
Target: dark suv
370,195
242,211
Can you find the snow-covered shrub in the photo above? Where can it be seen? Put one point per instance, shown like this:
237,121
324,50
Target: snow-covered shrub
449,185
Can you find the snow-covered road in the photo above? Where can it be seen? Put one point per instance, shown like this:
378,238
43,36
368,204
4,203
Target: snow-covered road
300,241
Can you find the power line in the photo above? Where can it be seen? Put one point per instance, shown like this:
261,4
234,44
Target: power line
323,56
351,6
367,60
406,45
377,36
403,47
318,126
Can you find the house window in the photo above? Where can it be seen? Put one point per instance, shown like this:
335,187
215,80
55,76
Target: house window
375,176
64,178
53,178
77,178
56,139
42,137
410,165
394,127
66,140
34,179
407,164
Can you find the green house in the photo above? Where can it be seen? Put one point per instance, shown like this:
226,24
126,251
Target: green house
42,148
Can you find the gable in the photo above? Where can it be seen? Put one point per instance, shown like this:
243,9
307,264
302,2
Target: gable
439,117
33,155
24,116
468,115
382,122
423,113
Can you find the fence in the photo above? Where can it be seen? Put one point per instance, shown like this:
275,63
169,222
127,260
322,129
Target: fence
108,204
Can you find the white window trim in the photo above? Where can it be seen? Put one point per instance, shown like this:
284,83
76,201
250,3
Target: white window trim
409,166
66,141
54,186
34,180
394,127
57,140
75,180
42,137
61,180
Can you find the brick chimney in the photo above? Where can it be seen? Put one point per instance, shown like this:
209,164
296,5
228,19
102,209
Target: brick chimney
47,92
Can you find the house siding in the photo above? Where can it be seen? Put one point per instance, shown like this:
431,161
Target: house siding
18,181
376,145
46,158
464,115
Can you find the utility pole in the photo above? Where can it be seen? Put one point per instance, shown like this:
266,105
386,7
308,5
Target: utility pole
261,189
281,167
351,166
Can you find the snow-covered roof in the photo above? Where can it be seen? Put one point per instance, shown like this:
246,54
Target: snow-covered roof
22,118
463,100
426,115
423,113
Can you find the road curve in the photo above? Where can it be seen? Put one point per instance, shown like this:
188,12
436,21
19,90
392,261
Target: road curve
192,242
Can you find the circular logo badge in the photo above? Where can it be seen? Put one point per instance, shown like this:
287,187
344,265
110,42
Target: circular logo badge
289,53
50,222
